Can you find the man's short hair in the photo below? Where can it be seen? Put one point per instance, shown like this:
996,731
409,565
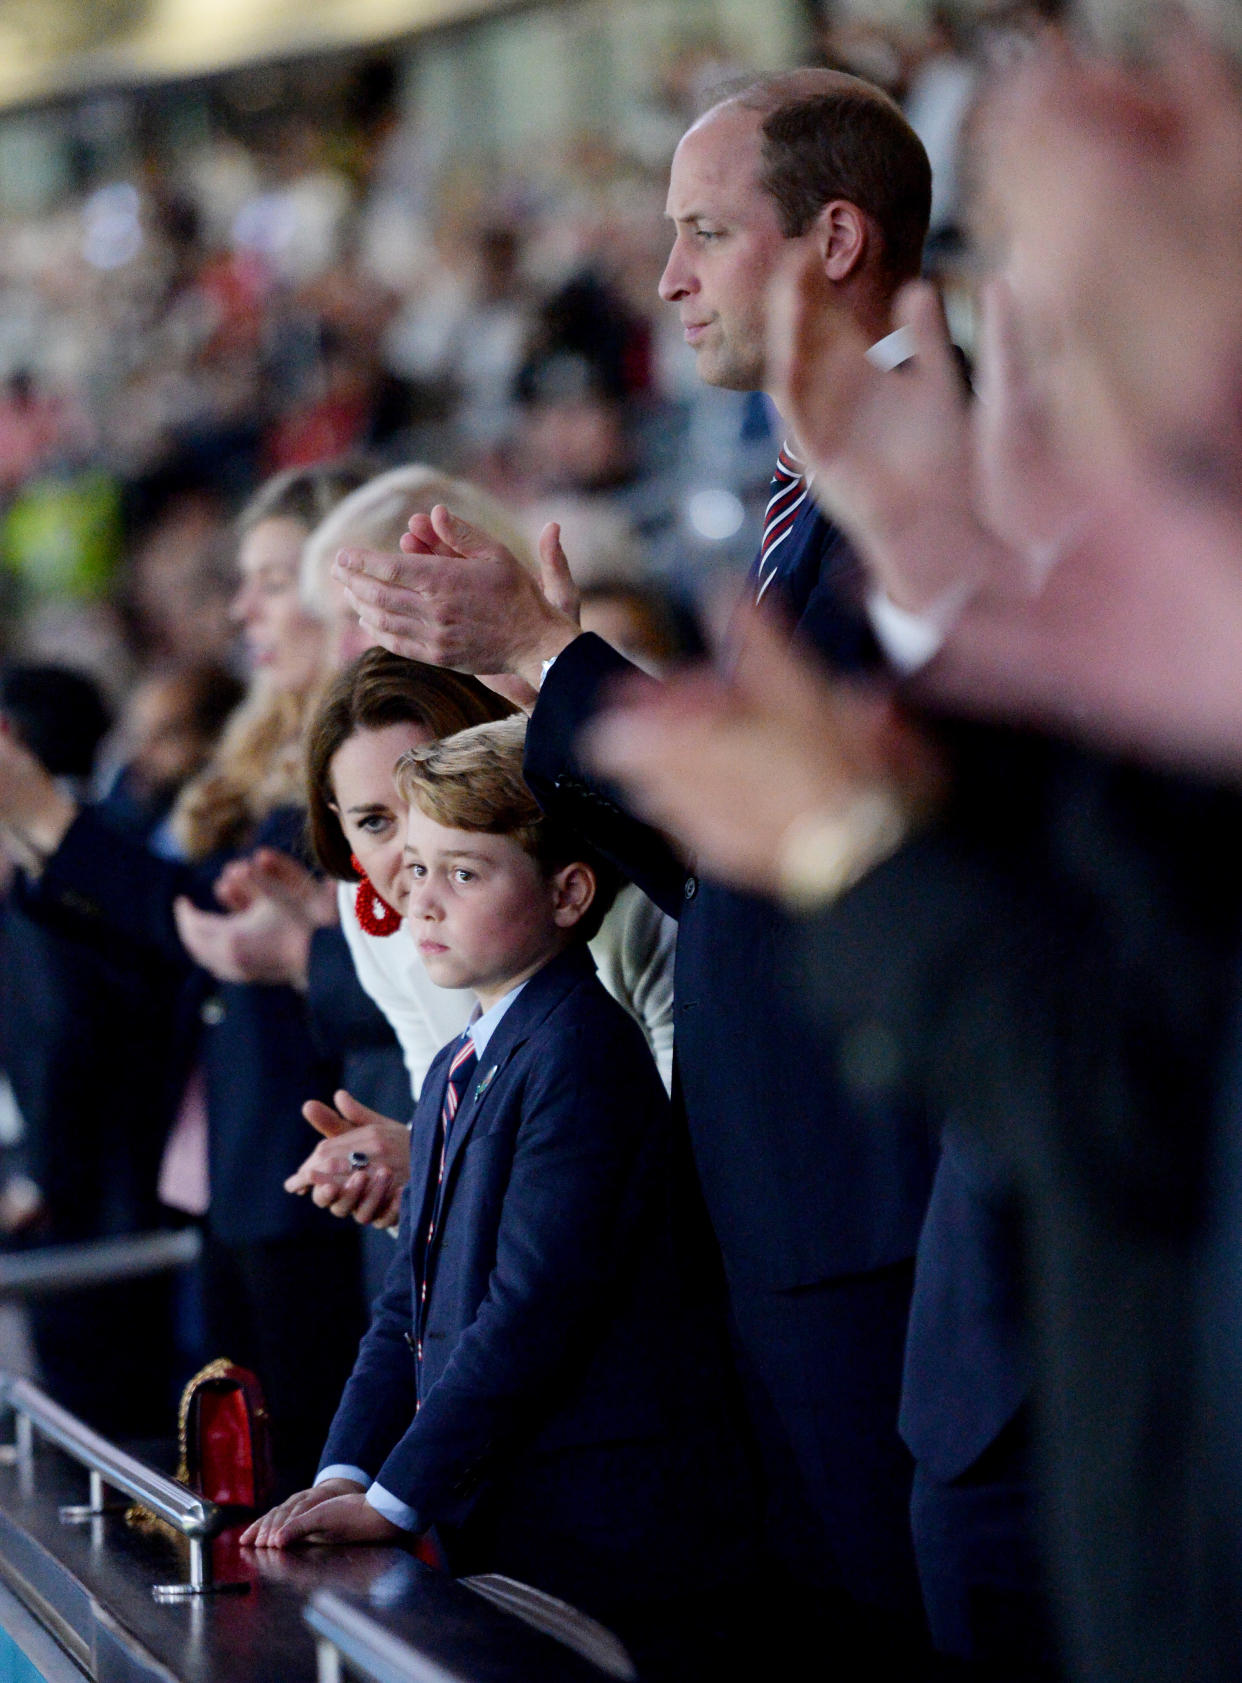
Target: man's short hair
825,135
473,781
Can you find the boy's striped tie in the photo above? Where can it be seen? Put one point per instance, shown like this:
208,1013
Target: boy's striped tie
460,1071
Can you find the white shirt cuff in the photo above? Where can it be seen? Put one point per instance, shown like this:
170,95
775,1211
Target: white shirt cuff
338,1469
910,640
384,1502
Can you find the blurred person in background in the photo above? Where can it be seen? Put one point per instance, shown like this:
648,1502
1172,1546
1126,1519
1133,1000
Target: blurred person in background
167,733
281,1278
84,1043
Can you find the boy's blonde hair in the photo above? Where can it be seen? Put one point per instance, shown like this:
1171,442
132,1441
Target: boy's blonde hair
473,781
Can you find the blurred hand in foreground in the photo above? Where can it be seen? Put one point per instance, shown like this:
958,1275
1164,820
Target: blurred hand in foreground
1113,198
727,764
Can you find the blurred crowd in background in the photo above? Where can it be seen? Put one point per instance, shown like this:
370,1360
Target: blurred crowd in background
203,286
198,290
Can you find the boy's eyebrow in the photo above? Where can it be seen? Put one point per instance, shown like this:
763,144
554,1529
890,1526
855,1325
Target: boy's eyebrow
456,853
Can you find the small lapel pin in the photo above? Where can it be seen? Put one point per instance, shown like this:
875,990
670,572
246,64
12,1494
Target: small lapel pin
485,1083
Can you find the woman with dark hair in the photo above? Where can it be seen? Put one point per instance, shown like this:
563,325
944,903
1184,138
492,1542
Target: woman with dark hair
375,709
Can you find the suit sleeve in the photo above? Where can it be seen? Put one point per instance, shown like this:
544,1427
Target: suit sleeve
381,1397
99,881
343,1015
572,694
566,1227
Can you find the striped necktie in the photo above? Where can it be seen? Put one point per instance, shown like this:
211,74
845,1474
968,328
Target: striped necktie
460,1070
788,493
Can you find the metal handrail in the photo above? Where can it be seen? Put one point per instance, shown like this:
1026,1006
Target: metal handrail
347,1632
192,1515
557,1619
96,1262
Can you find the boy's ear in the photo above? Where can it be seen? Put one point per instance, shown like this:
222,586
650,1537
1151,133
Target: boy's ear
573,889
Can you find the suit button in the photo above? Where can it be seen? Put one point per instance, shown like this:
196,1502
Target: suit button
691,887
212,1011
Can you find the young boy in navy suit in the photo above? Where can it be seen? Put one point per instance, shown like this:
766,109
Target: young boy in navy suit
542,1383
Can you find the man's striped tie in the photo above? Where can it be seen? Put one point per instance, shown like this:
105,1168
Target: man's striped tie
789,488
460,1071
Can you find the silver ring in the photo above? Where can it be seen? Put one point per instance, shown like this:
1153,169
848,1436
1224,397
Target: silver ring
358,1159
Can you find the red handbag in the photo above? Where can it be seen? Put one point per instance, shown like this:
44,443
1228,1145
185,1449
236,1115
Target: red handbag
226,1446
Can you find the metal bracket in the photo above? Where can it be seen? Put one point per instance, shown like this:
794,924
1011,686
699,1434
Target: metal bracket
201,1582
79,1513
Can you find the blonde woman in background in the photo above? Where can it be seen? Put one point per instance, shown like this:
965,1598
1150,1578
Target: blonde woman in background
280,1278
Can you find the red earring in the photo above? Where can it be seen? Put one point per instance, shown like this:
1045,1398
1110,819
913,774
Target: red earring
375,916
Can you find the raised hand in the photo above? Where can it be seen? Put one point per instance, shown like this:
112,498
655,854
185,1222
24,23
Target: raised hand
891,451
1027,492
729,765
1115,195
263,943
269,873
455,597
1134,642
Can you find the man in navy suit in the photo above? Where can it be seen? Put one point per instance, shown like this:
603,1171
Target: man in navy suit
815,1181
539,1384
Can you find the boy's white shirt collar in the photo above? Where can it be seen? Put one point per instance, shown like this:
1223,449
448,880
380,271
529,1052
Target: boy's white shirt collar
487,1022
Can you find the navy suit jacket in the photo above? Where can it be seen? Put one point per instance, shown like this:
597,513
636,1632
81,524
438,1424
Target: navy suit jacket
814,1168
808,1176
569,1415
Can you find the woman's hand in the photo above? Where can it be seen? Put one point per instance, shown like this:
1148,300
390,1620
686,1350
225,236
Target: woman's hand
269,874
261,944
265,1533
371,1194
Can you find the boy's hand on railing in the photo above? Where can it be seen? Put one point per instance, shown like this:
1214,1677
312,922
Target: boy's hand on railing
264,1533
335,1511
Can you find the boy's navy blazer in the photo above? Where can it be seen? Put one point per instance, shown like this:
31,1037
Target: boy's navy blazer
558,1333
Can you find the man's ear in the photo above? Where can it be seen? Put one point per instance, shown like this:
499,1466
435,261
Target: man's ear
573,890
843,236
